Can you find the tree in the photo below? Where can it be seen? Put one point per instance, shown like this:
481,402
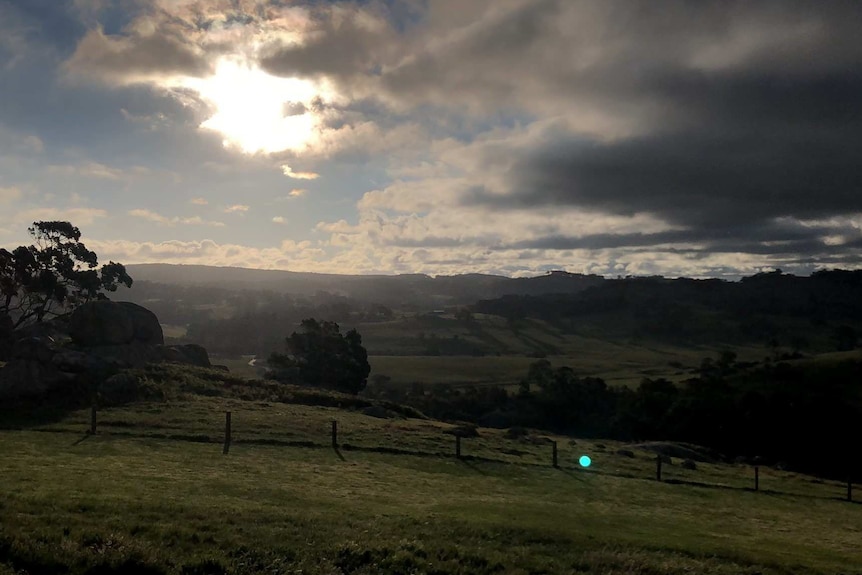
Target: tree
321,356
53,276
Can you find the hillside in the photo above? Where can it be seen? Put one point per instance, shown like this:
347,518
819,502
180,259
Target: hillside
821,312
394,291
152,493
621,330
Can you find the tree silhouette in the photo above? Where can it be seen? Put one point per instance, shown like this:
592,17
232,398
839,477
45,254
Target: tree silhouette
321,356
53,276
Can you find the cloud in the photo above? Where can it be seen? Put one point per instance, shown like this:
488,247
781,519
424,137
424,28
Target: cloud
8,195
297,192
15,143
171,221
512,136
279,220
298,256
199,201
97,170
78,216
288,171
144,53
236,208
340,39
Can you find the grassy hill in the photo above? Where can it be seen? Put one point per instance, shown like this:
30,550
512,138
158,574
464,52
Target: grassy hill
152,493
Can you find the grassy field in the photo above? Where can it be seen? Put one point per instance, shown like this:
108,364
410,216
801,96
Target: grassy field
511,348
617,364
152,493
402,350
174,331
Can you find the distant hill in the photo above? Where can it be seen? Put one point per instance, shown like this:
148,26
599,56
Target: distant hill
409,290
822,311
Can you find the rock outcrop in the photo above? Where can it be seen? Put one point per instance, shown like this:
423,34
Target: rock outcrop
189,353
92,347
29,378
107,323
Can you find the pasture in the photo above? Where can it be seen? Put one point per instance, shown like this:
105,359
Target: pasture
151,492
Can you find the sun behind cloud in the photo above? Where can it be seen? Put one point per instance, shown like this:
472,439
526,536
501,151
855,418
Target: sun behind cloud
255,111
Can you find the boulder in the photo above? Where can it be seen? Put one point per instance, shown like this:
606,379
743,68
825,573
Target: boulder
129,355
689,464
147,328
34,348
107,323
56,329
29,378
190,354
73,361
626,453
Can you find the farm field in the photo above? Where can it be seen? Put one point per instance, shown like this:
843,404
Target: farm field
490,351
151,492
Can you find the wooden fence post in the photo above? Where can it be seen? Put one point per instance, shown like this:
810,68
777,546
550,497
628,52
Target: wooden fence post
334,434
93,419
226,432
555,454
757,478
658,467
458,446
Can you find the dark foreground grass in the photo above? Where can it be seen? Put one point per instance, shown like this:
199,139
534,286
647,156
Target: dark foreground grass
112,504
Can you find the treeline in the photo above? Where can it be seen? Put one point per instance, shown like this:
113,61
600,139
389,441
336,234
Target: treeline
802,416
768,308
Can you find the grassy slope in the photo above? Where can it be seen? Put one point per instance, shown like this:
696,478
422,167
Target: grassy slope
393,348
396,350
172,501
175,501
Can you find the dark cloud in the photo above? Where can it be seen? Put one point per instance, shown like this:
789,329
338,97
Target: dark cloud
708,178
47,22
344,41
739,115
132,58
786,240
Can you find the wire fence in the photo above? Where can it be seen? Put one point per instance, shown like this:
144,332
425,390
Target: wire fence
458,443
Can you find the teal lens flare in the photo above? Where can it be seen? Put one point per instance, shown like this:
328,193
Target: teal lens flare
585,461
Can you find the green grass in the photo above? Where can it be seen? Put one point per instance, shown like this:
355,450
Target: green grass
237,365
174,331
152,488
617,364
396,352
286,510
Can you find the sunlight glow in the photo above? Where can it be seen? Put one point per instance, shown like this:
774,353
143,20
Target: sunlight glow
253,109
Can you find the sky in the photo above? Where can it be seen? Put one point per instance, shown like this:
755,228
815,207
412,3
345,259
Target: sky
616,137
